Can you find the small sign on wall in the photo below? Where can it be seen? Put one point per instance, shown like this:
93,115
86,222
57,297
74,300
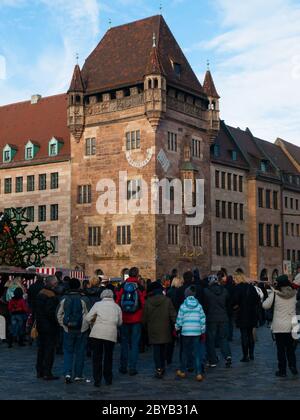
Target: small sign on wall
287,268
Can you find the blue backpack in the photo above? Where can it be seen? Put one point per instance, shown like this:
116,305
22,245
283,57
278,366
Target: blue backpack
130,298
73,313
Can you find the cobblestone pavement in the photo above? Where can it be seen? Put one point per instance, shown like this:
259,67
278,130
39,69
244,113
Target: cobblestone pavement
242,382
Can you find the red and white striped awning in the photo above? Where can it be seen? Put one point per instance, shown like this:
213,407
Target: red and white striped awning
50,271
46,271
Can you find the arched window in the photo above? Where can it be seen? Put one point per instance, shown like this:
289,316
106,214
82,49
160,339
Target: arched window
275,275
150,84
264,275
155,83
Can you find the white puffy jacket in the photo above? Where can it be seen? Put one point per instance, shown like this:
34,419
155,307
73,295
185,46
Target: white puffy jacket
284,309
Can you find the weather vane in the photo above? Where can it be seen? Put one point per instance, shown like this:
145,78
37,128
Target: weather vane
161,7
110,23
208,65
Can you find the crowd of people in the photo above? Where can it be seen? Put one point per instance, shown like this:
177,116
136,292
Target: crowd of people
196,315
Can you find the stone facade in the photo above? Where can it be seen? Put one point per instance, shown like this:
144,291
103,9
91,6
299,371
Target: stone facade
59,196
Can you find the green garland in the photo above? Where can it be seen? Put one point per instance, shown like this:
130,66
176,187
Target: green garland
17,248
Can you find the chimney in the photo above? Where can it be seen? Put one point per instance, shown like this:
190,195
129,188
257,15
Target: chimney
35,99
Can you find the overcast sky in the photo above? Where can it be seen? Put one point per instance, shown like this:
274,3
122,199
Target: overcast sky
253,47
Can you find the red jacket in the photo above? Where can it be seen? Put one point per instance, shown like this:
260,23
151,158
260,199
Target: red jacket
135,318
17,306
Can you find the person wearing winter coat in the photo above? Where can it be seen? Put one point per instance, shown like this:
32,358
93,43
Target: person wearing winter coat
283,302
131,298
105,318
246,301
73,308
216,307
159,319
46,305
19,311
191,322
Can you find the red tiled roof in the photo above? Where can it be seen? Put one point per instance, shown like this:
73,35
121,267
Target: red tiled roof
77,83
39,123
278,156
209,86
154,65
122,56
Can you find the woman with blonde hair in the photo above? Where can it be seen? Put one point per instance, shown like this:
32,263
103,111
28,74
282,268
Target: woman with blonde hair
12,285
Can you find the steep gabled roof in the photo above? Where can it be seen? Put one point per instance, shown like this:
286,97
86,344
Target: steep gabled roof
39,123
292,149
209,86
122,57
76,83
276,154
226,145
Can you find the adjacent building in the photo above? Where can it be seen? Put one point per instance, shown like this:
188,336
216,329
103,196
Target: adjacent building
35,169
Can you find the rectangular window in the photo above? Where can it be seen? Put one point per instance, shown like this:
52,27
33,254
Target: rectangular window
242,212
241,184
54,241
223,209
197,236
286,202
218,243
173,234
287,229
269,235
54,181
289,255
172,142
29,153
134,189
94,236
84,194
235,211
218,208
224,240
243,250
276,236
217,179
268,199
42,213
235,182
298,230
124,235
19,184
260,198
261,234
30,183
42,182
223,180
275,200
30,214
236,245
53,149
90,147
229,210
229,182
294,256
292,203
292,229
7,186
230,244
196,148
133,140
297,204
54,212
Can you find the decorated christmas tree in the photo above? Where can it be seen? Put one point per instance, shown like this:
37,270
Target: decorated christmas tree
19,248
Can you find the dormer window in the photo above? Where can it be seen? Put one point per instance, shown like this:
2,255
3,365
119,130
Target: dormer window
177,69
216,150
9,153
264,166
54,146
234,155
31,150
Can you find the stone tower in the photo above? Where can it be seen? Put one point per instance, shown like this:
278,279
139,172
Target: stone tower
76,105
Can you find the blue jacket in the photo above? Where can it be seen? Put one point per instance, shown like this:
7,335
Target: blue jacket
191,319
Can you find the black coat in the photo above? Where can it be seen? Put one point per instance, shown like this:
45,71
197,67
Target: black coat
216,304
247,301
33,292
46,305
